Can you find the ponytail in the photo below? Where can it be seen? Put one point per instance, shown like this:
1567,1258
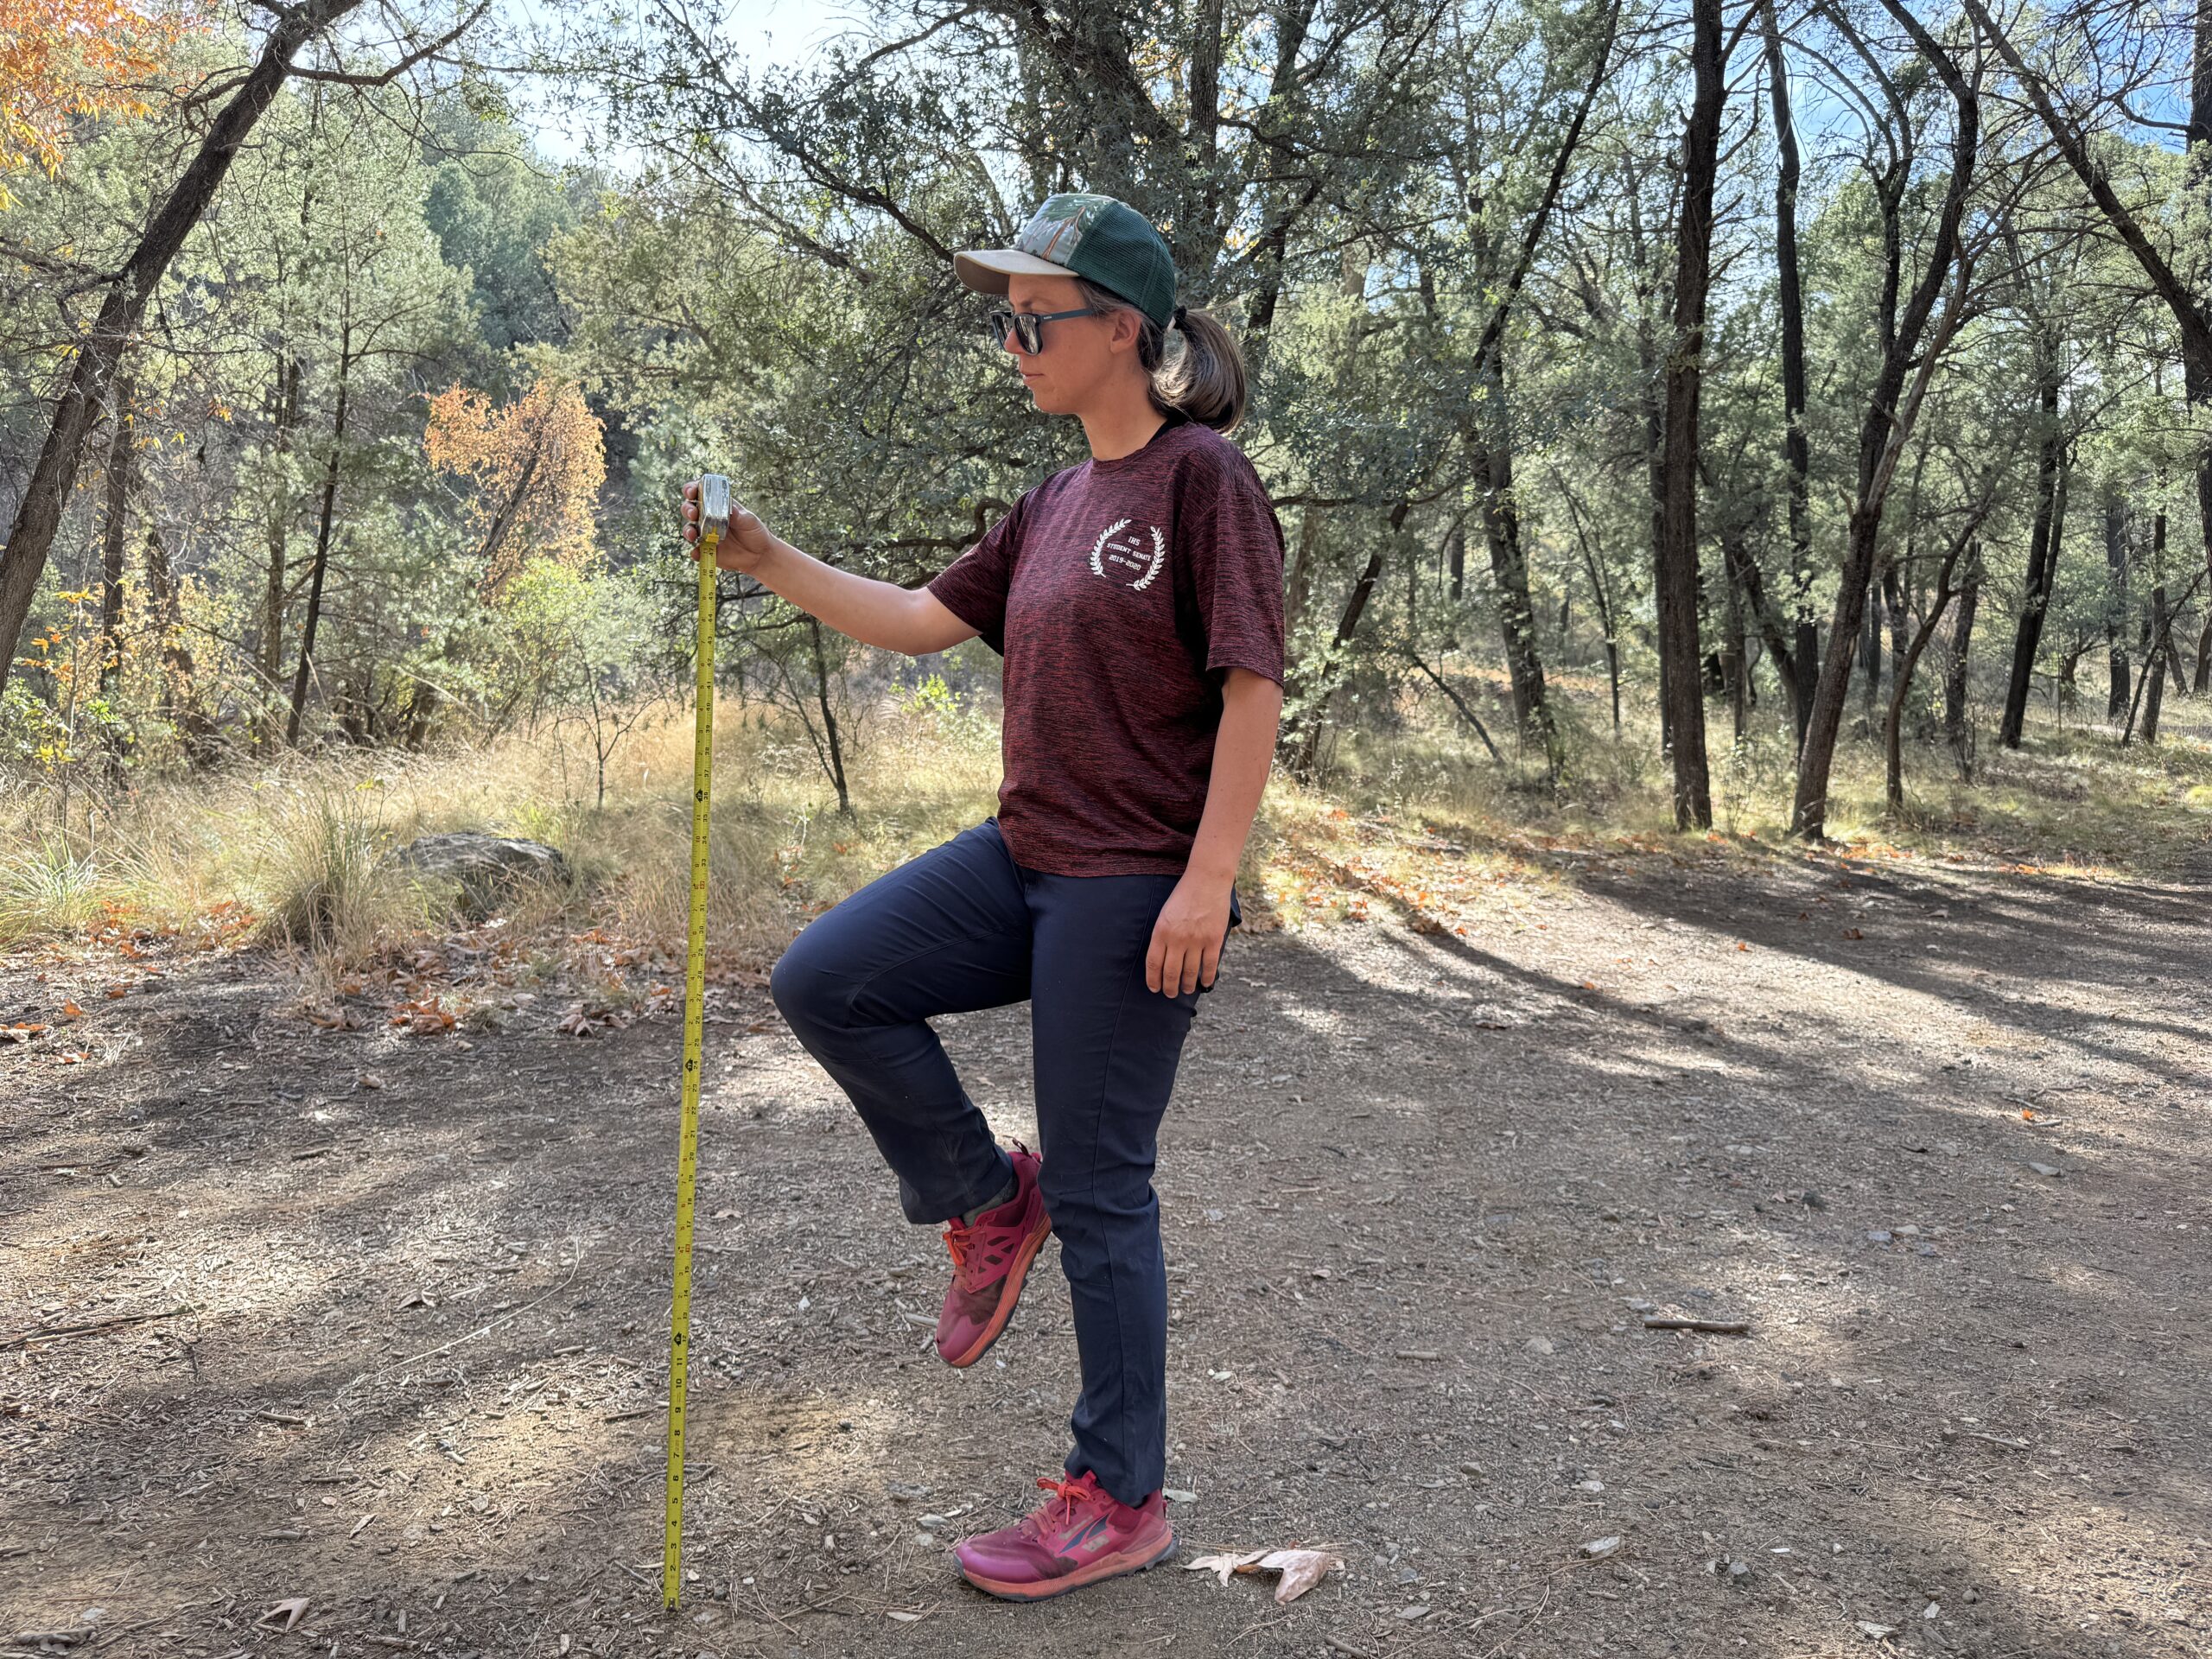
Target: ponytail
1204,381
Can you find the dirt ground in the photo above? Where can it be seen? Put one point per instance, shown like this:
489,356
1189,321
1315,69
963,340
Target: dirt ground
1942,1136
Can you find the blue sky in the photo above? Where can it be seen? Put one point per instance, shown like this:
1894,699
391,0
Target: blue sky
763,31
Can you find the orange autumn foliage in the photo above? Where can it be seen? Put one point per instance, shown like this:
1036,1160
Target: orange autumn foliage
65,58
536,467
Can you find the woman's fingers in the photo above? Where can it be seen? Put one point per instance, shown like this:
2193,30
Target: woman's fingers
1175,966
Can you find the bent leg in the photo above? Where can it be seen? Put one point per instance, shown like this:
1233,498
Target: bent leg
945,932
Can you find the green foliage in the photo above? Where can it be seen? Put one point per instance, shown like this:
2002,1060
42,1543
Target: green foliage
1456,329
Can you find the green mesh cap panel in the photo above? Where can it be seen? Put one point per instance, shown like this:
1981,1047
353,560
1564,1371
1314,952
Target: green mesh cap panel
1107,242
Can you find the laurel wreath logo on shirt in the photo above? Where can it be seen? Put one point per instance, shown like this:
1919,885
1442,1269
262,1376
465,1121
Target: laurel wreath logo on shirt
1151,568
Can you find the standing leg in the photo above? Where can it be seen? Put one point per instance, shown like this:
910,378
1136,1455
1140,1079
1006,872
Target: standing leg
945,932
1106,1054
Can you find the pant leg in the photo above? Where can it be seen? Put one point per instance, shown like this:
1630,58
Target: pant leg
945,932
1106,1051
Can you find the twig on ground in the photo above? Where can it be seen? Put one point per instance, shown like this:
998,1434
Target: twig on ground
1717,1327
24,1338
471,1336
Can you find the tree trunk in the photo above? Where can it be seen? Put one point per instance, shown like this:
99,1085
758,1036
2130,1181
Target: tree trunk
421,710
2196,373
2043,553
276,590
1305,747
1798,667
1870,654
178,699
1283,211
115,512
1735,666
46,492
2117,680
1955,684
1601,602
1298,590
1675,580
1883,431
830,719
2154,639
1908,659
1896,610
321,551
1489,459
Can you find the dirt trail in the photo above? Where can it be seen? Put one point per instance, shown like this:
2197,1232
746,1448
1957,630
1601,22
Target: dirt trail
1420,1191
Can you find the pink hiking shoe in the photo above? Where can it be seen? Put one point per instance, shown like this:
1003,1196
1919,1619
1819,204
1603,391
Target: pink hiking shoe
1078,1536
988,1262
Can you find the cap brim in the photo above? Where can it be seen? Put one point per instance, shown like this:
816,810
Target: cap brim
986,269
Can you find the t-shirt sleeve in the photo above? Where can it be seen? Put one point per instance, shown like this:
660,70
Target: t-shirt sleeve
973,586
1234,543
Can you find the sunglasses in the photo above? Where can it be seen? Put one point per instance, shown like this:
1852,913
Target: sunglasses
1027,327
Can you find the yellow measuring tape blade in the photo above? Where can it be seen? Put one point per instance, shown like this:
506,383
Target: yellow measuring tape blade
695,994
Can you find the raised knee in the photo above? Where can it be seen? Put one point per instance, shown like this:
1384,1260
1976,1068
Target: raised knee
804,993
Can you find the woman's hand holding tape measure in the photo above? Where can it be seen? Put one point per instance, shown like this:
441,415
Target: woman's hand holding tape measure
743,545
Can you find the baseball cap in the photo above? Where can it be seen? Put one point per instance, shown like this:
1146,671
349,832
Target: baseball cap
1097,238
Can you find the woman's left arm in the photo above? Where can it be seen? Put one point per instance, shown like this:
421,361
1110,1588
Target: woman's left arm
1186,939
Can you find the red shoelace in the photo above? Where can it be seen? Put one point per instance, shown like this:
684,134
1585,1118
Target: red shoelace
1070,1494
959,1240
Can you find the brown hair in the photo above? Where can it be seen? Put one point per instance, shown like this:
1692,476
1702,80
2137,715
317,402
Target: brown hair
1205,381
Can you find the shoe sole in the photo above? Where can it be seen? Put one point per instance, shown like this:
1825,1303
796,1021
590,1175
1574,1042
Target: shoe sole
1106,1566
1014,1276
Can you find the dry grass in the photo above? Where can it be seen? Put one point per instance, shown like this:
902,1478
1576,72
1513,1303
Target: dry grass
304,846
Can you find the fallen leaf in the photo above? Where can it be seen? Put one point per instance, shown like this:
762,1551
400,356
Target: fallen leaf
903,1618
1301,1570
293,1607
1598,1548
70,1010
1878,1631
1853,933
1224,1565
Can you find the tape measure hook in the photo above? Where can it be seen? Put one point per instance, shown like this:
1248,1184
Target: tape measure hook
714,504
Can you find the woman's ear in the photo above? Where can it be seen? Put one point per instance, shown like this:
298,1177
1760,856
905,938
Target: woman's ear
1129,328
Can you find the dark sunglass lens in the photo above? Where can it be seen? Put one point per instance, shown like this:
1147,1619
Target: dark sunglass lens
1033,334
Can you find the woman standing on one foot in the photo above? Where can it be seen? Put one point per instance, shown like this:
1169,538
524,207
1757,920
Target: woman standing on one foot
1137,602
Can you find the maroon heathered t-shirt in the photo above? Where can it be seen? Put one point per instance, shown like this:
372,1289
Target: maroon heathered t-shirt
1118,592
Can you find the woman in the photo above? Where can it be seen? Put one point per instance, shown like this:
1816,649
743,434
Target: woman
1137,601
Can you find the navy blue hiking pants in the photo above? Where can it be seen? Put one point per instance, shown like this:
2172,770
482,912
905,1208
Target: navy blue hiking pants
963,926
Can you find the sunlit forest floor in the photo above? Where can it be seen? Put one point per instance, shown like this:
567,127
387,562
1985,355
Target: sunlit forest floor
337,1269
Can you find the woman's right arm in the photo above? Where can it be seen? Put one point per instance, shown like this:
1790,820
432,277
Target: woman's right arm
912,620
